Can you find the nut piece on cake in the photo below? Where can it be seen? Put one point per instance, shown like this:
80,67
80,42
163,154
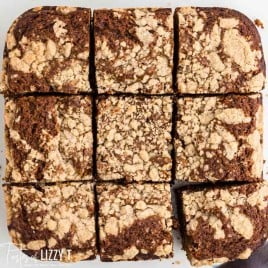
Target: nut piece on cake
223,223
220,51
219,138
134,50
47,50
135,221
134,138
48,139
55,221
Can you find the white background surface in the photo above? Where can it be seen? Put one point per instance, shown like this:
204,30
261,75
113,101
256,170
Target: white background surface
9,10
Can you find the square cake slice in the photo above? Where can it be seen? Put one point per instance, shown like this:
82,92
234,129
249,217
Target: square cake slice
134,221
134,138
48,138
53,220
223,223
219,51
47,50
219,138
134,50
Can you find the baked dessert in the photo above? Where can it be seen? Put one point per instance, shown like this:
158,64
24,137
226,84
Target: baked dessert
48,139
47,50
219,138
219,51
134,138
223,223
53,221
96,135
134,221
134,50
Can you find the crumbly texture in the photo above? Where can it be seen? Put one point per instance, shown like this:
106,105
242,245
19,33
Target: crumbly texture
219,138
222,224
47,50
259,23
134,221
134,50
55,217
219,52
134,138
48,138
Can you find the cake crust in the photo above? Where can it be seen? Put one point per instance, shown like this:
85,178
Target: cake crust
48,139
134,138
47,50
134,50
54,218
220,51
224,223
219,138
134,221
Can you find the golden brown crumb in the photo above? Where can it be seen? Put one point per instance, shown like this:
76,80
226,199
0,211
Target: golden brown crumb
259,23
